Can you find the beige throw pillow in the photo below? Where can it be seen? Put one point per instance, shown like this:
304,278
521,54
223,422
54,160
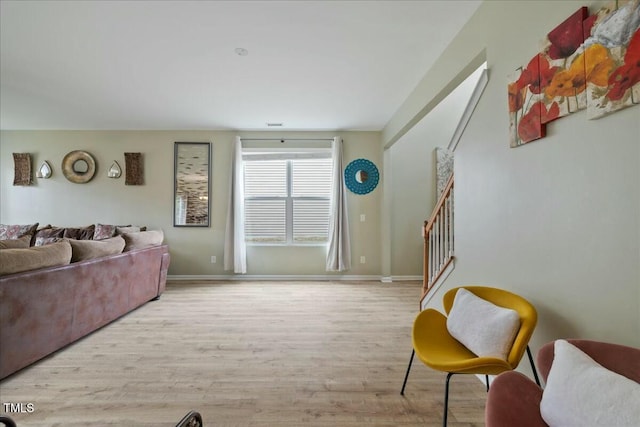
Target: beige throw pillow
20,242
25,259
127,229
89,249
143,239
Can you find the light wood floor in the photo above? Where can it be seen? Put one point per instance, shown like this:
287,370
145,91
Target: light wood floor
249,354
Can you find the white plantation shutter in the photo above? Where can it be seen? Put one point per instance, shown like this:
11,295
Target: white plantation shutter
310,220
265,191
287,197
310,190
266,178
265,220
311,177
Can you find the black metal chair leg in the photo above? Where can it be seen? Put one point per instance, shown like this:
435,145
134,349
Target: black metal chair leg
533,367
486,378
446,400
406,376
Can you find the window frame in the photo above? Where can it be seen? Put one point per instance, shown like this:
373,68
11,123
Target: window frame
287,154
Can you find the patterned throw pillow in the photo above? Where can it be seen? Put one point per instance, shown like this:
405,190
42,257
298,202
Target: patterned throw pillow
47,241
45,236
82,233
10,232
104,231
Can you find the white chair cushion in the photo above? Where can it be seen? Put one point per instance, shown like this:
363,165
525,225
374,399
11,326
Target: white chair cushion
581,392
483,327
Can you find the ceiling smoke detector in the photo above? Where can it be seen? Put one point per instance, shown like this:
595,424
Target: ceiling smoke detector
241,51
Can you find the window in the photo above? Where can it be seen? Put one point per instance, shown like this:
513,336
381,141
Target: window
287,196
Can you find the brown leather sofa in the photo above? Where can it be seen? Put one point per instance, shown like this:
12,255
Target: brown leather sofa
44,310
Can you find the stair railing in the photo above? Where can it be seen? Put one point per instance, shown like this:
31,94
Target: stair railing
438,239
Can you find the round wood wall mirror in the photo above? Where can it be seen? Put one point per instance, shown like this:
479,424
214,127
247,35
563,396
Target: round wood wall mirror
78,167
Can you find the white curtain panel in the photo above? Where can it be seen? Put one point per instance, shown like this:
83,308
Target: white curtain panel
339,254
235,248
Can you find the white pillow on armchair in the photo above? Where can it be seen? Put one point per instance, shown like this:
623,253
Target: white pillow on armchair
581,392
483,327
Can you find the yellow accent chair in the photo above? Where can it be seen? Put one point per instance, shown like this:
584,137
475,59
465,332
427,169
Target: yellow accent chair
437,348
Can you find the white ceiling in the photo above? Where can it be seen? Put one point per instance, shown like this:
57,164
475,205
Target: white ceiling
312,65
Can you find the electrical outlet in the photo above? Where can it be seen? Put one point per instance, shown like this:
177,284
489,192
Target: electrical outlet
362,217
213,259
363,260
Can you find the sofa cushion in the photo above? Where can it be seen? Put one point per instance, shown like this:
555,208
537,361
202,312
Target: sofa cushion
483,327
129,229
21,242
8,232
89,249
25,259
581,392
142,239
47,235
81,233
104,231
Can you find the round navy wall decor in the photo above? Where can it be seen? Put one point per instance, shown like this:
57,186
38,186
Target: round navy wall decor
361,176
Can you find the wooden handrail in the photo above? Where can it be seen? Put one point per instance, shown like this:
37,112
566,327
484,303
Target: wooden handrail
445,242
443,198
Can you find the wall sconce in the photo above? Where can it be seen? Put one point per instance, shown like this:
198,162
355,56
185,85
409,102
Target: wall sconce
44,171
114,171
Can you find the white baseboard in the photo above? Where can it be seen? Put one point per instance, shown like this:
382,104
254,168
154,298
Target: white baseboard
268,277
405,278
287,277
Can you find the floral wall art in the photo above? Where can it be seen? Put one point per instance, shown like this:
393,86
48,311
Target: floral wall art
590,62
613,53
444,169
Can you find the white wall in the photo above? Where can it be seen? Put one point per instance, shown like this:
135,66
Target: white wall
557,220
412,162
108,201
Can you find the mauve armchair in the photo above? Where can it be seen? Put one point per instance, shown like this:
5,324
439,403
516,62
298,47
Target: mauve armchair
514,400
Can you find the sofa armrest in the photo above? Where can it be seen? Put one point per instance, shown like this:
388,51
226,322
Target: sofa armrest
164,269
513,400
